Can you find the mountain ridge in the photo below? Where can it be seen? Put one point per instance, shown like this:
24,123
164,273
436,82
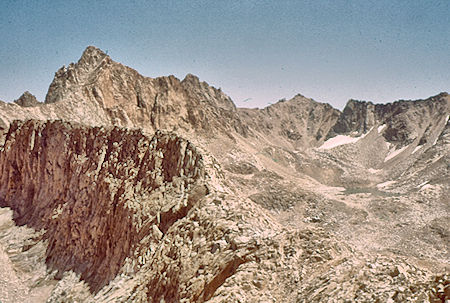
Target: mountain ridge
126,188
112,88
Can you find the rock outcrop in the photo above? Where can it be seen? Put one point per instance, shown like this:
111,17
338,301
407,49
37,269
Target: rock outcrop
98,91
97,192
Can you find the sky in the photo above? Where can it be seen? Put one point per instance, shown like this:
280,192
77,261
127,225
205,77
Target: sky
257,52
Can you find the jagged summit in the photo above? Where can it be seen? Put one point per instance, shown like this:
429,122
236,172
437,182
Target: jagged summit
80,73
191,78
360,116
97,90
438,97
92,56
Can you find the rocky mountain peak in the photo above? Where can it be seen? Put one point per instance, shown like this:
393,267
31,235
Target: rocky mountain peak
357,116
68,79
191,78
300,121
92,56
443,94
201,90
355,105
130,99
27,100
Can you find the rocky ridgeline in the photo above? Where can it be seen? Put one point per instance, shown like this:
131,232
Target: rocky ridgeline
130,99
118,208
127,218
300,122
97,192
98,91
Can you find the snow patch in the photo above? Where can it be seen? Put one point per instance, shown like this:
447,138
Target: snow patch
385,184
416,149
368,132
427,186
395,153
381,127
338,140
374,171
435,141
422,184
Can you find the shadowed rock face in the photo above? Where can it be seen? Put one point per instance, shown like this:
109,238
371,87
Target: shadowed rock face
357,116
97,192
27,100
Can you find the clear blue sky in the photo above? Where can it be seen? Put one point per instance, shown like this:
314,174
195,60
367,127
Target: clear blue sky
331,51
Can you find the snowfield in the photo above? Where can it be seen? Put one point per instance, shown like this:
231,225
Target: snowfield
381,128
395,153
338,140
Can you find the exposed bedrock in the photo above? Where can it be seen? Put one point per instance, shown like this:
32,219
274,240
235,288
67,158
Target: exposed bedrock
95,191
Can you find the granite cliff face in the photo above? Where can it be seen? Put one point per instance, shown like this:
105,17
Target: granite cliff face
125,188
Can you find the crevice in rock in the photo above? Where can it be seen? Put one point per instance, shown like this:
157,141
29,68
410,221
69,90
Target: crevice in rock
167,219
140,101
229,270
